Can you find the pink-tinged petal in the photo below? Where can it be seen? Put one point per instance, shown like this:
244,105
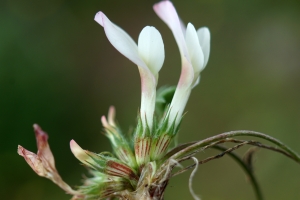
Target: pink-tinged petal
178,104
204,40
194,54
104,122
191,55
195,50
111,116
166,11
151,49
110,126
120,39
43,162
82,155
110,133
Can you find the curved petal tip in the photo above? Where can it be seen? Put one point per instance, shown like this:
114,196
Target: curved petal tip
36,126
75,148
99,17
163,4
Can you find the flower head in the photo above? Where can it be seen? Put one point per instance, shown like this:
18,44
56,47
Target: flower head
139,167
120,144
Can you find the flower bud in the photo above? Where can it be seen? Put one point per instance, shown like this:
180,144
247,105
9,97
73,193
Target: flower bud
103,186
119,143
103,162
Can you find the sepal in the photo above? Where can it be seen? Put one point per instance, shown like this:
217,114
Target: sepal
142,143
142,148
159,146
165,133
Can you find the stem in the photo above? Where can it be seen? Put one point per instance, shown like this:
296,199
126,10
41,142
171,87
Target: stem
221,136
258,144
209,158
228,151
248,171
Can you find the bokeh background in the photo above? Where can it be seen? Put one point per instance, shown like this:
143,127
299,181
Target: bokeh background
58,69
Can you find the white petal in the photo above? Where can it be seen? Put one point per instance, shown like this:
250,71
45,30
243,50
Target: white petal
195,51
204,40
197,81
126,46
178,104
183,26
148,96
166,11
151,49
120,39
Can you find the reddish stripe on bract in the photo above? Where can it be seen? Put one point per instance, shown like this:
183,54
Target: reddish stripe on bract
143,150
137,147
166,144
113,173
159,142
148,141
119,166
124,170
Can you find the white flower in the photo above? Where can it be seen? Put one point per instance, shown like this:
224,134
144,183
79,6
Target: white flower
194,47
148,55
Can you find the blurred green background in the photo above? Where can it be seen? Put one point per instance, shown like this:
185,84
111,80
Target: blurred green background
58,69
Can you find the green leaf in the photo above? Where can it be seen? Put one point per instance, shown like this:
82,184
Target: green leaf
164,97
